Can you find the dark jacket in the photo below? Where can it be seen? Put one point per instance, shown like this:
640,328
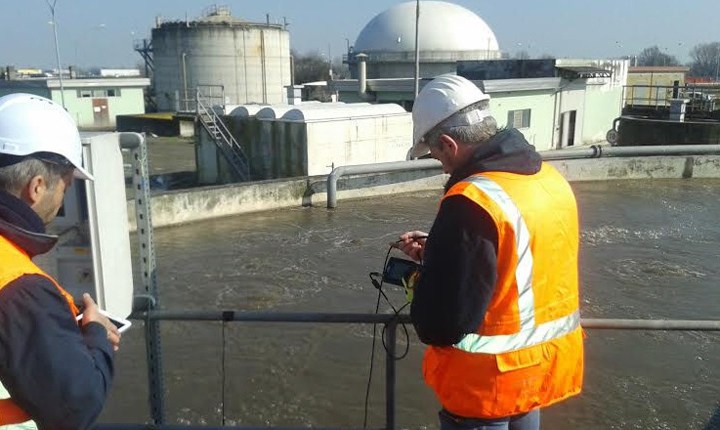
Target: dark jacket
460,267
58,373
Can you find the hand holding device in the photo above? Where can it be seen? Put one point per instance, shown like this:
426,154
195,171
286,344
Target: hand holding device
120,323
404,273
92,313
412,244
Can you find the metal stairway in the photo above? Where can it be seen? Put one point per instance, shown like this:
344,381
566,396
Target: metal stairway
223,139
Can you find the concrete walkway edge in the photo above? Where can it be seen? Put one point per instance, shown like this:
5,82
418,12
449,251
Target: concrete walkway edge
183,206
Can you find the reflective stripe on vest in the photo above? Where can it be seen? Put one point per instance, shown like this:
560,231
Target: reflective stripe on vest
529,334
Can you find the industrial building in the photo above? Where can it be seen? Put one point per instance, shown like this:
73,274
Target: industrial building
554,103
236,60
308,139
653,86
448,33
94,103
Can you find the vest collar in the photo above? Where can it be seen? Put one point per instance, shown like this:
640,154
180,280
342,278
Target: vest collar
22,226
507,151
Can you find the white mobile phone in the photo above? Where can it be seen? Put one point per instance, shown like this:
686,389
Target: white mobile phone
121,323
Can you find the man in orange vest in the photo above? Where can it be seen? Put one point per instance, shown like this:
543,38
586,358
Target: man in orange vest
57,373
497,299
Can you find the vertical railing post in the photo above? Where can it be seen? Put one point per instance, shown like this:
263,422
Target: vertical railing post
143,216
390,339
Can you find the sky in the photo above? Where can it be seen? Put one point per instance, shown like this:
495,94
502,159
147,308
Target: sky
101,32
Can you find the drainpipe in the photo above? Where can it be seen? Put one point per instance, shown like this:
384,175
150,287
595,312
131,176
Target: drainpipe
185,88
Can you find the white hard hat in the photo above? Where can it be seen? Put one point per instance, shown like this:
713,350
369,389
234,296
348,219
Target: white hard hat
439,100
30,124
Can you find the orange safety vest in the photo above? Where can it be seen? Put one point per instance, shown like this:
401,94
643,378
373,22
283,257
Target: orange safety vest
528,351
14,263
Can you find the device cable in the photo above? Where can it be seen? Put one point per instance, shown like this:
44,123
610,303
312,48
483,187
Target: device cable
378,284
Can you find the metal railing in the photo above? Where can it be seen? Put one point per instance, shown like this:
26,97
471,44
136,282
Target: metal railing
146,311
702,98
390,323
224,140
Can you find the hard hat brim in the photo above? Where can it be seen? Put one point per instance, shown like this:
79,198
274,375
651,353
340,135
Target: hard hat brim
81,173
418,150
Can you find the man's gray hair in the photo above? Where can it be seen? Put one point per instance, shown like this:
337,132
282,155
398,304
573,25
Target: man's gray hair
15,176
474,134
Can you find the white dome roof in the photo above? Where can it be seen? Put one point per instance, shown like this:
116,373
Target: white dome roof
443,27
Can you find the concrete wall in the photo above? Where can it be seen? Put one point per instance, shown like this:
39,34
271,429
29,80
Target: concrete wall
355,141
179,207
602,105
640,131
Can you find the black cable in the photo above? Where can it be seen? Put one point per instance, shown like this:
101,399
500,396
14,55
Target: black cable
381,293
372,361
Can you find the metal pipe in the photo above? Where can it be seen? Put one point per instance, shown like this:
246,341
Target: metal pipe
390,347
358,318
184,68
362,75
594,151
289,317
57,51
358,169
133,426
632,324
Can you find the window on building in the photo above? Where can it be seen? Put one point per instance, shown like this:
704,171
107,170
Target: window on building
518,118
99,93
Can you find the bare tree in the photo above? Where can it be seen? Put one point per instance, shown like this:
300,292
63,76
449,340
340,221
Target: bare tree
340,70
653,56
705,60
310,67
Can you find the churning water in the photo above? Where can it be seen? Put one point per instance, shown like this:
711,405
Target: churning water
649,250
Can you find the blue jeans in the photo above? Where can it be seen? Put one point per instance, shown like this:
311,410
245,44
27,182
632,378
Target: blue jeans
528,421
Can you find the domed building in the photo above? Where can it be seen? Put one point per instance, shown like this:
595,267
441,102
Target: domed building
447,33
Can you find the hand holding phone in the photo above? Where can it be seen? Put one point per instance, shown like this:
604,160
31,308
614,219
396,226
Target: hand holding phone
121,323
92,313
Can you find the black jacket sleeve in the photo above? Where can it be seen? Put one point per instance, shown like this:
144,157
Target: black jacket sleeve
459,273
58,373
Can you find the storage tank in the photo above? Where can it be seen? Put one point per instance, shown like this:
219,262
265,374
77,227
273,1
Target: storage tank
448,33
251,61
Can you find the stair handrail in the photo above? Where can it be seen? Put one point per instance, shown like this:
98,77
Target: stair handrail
237,155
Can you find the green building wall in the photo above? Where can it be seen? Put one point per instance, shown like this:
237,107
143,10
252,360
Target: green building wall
602,106
130,102
542,108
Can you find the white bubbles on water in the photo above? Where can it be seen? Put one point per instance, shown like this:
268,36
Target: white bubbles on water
609,234
643,269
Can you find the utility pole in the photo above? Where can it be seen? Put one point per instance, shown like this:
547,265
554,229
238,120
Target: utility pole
417,47
57,49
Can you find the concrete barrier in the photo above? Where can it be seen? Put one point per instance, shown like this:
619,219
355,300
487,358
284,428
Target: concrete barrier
196,204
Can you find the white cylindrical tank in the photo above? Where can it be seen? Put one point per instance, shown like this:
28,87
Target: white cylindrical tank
250,60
